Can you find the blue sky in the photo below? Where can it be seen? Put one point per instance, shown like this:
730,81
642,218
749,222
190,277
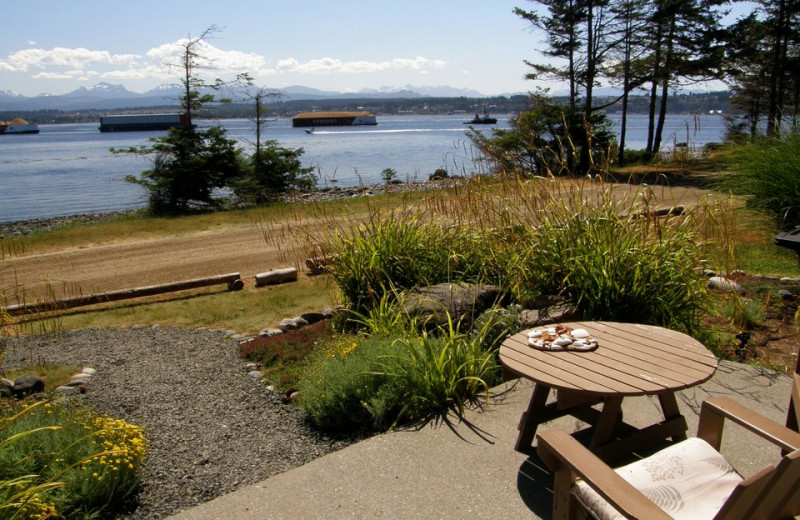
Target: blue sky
56,46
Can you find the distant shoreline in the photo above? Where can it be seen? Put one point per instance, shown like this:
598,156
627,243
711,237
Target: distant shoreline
21,228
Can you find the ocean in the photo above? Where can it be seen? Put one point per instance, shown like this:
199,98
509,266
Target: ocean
68,169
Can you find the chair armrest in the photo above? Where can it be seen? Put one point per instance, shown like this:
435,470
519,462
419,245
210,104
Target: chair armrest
714,412
562,453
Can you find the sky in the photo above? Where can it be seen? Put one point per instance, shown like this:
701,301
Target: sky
57,46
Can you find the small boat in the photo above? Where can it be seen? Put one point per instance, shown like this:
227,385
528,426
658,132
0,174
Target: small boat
482,119
18,126
309,130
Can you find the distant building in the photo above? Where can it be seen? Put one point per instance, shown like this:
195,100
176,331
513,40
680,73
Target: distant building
311,119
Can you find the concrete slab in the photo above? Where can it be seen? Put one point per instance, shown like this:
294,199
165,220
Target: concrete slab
468,468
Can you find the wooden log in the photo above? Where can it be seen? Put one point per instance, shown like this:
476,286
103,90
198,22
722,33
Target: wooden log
276,276
78,301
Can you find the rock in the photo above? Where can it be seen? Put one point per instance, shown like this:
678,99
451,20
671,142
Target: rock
76,383
329,313
461,301
718,283
270,332
66,391
785,295
28,384
88,370
255,374
530,318
312,317
240,337
80,377
251,366
288,324
6,388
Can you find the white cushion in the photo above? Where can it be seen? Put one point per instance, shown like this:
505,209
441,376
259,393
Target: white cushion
689,480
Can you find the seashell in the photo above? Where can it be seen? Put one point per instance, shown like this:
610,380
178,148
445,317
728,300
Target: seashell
552,331
580,333
535,334
562,342
583,345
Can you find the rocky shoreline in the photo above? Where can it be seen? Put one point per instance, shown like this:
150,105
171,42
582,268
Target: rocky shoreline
22,228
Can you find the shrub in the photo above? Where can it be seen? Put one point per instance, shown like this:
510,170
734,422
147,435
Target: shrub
434,373
768,172
339,385
72,462
617,267
284,355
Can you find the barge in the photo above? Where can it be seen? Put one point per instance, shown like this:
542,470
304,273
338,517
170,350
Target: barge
142,122
18,126
313,119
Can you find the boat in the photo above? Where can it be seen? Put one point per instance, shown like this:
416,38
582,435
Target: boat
343,118
18,126
141,122
310,130
482,119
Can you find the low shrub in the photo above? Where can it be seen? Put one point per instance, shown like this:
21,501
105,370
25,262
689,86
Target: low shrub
284,355
58,460
340,389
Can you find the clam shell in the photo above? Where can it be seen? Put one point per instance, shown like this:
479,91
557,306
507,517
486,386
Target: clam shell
535,334
562,342
580,333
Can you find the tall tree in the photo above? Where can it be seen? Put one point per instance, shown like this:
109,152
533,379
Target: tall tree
685,46
189,164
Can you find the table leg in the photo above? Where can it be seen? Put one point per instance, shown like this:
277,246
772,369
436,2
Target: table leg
669,406
531,418
604,428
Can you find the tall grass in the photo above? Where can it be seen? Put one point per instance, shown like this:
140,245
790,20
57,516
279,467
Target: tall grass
767,171
594,244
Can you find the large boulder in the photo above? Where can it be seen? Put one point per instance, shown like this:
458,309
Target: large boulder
431,305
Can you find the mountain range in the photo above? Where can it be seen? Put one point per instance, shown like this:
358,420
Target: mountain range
105,96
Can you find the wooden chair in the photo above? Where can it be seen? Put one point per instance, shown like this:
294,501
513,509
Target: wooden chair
689,479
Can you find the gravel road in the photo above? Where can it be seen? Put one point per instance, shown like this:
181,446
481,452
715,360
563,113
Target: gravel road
211,428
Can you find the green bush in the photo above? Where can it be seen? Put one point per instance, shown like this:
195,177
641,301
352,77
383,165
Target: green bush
340,387
768,172
616,267
64,460
434,373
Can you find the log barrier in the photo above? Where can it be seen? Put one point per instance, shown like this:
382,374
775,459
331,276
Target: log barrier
233,280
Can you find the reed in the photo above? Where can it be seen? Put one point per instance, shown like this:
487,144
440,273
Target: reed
767,172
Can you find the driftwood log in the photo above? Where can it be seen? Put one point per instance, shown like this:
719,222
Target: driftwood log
233,280
276,276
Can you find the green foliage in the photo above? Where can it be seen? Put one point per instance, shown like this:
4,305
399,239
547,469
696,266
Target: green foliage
433,373
616,267
64,460
388,175
340,390
767,171
283,356
547,140
272,171
188,166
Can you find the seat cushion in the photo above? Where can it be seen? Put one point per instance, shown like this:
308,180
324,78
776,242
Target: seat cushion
689,480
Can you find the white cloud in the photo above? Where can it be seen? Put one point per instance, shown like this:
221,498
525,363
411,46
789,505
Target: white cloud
78,58
333,65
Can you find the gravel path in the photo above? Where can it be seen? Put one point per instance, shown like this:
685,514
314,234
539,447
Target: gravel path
211,428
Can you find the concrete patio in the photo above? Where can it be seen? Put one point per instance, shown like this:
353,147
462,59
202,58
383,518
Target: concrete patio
469,468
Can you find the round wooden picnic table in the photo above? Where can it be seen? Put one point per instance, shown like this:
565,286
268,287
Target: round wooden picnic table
630,360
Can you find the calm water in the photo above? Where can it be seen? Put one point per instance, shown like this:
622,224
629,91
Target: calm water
68,169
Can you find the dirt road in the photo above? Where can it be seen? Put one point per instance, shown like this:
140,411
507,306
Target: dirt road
130,263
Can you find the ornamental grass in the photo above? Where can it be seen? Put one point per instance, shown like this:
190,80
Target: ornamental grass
64,461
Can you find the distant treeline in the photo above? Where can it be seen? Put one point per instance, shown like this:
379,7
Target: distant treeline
680,103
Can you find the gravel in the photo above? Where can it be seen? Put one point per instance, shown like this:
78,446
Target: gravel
211,427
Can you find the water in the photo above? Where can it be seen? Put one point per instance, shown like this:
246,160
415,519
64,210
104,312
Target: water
68,169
